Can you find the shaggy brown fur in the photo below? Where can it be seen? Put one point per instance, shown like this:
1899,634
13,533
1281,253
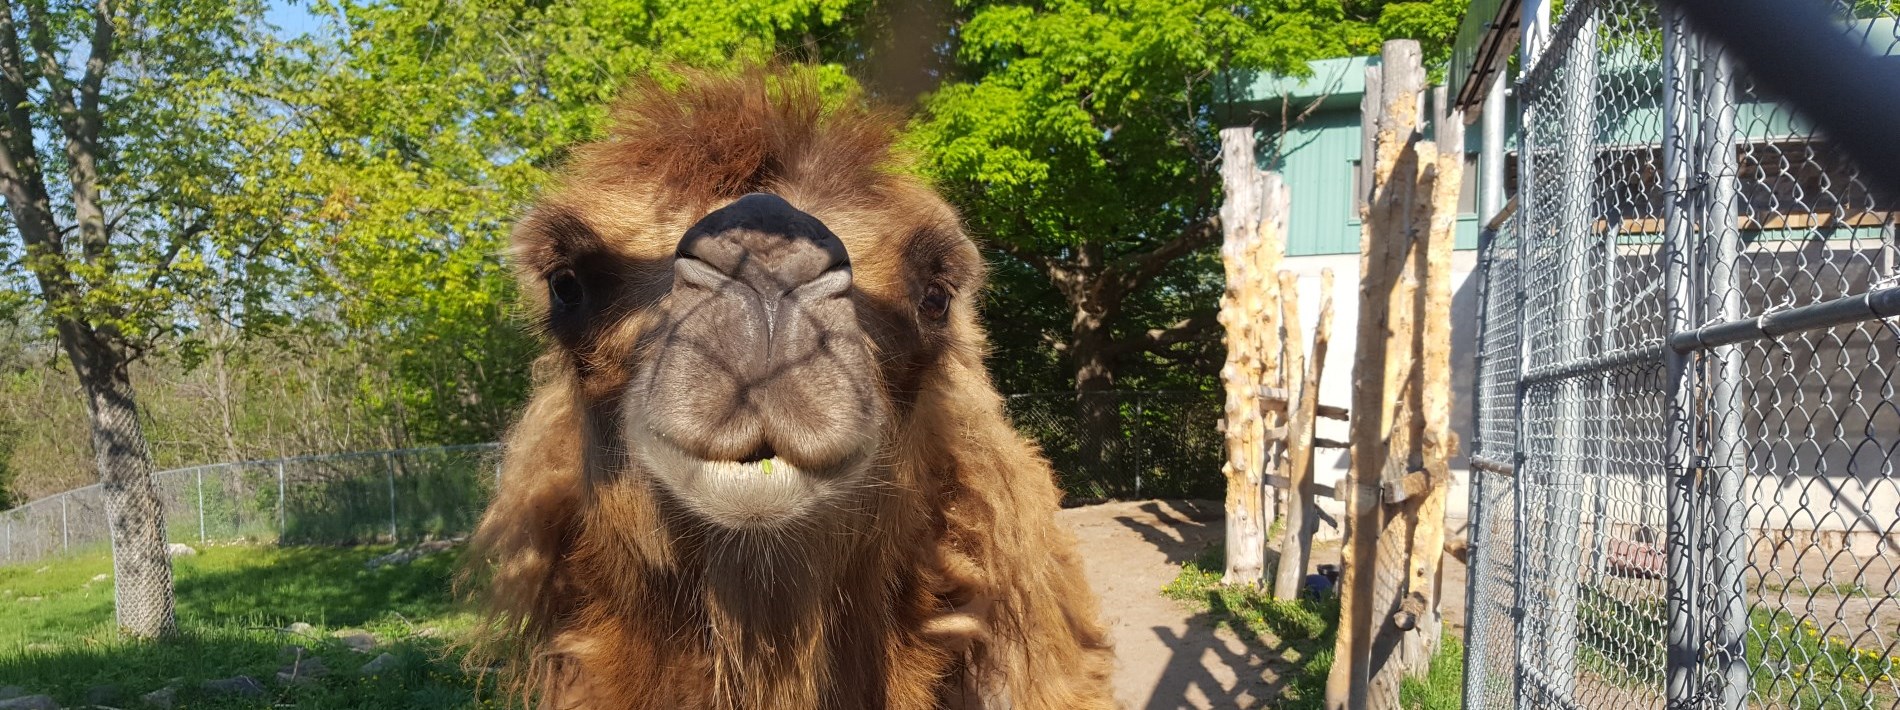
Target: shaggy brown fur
941,580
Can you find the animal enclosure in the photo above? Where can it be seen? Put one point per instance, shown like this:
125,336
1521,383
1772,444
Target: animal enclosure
1684,480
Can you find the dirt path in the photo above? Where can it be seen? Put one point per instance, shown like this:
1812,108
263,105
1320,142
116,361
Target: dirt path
1168,655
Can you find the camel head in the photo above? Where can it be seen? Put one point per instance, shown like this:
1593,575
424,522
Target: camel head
750,295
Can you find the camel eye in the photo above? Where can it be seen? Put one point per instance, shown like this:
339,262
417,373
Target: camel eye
936,302
565,291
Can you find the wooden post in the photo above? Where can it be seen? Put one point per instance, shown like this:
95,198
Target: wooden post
1253,219
1296,546
1381,435
1437,442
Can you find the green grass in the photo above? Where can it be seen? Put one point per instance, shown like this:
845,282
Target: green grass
58,636
1795,665
1443,687
1301,633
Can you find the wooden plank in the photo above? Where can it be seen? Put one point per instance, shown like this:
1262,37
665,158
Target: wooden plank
1297,444
1302,512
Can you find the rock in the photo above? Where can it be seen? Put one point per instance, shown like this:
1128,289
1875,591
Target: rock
30,702
411,554
103,694
357,640
292,654
42,570
178,549
10,692
161,698
244,686
303,670
379,664
100,577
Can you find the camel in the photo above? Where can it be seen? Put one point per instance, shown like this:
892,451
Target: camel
762,465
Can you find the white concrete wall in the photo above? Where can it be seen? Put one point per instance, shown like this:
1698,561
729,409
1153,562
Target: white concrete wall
1330,465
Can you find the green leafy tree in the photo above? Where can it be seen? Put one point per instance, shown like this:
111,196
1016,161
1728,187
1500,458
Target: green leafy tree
124,129
1082,142
426,127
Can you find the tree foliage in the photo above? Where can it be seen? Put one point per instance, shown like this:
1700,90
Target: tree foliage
1082,143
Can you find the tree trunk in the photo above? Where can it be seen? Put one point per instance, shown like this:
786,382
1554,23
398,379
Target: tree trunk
142,572
1100,446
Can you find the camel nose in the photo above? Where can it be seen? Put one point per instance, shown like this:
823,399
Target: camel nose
763,242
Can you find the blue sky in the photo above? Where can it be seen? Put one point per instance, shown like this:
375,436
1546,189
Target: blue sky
292,18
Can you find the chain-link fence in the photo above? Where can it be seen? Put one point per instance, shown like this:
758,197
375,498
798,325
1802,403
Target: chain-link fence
1685,490
376,496
1104,445
1126,444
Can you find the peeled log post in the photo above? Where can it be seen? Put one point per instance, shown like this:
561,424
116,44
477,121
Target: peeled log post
1385,310
1253,221
1436,444
1302,521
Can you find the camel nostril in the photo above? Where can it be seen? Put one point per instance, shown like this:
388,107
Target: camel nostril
760,454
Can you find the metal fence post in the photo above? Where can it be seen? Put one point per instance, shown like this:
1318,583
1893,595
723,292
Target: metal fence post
1564,516
1140,439
1519,599
65,532
1723,303
199,474
282,528
1474,492
1683,647
389,458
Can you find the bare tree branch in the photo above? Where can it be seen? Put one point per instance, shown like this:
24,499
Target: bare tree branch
1135,270
1193,327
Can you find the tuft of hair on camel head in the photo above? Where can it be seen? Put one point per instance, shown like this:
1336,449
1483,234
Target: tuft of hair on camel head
750,290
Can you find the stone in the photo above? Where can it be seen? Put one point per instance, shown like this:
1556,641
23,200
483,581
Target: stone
161,698
410,554
379,664
178,549
30,702
301,628
303,670
243,686
101,577
9,692
356,640
102,694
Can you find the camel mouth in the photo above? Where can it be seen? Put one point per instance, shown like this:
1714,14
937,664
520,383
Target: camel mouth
761,491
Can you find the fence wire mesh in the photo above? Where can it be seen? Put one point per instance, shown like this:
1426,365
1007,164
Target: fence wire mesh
377,496
1685,488
1103,445
1126,444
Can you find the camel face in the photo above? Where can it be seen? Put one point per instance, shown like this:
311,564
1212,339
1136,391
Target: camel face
748,357
759,397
